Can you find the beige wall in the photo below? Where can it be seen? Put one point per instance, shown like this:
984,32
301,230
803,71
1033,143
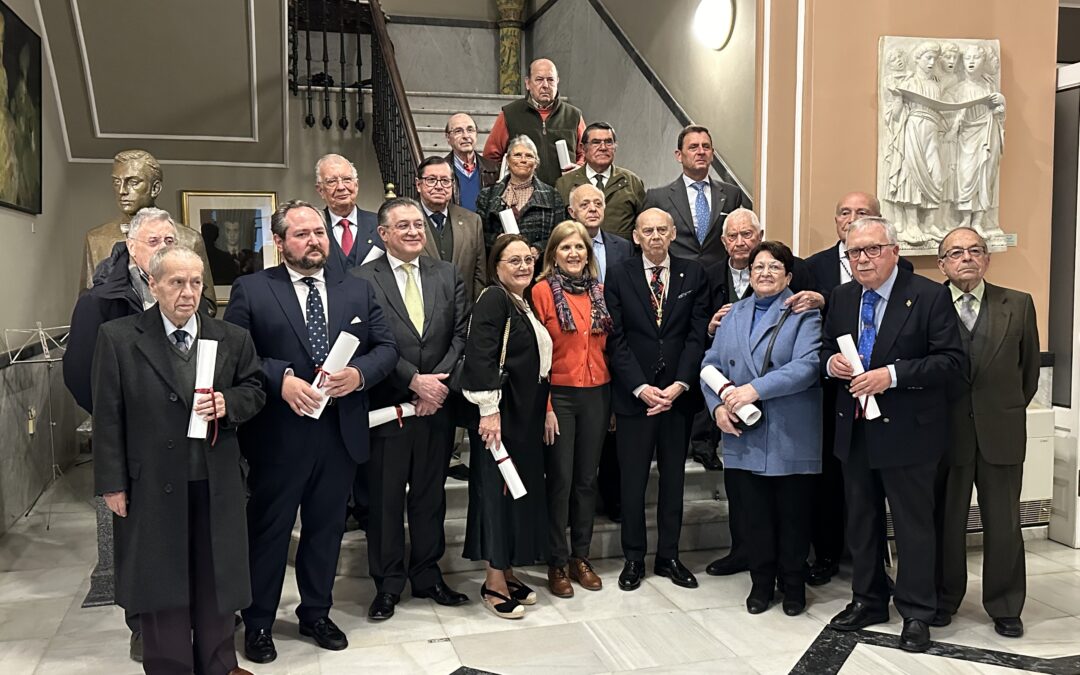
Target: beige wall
840,117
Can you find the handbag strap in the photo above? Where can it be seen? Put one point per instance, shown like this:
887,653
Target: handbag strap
506,331
766,364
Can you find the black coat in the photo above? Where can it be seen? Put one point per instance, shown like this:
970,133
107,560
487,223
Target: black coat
365,238
141,446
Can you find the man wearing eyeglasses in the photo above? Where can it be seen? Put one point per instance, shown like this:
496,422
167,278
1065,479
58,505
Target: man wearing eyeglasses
454,233
987,434
907,339
353,233
472,171
624,193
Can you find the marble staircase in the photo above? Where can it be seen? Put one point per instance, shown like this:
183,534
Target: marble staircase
430,111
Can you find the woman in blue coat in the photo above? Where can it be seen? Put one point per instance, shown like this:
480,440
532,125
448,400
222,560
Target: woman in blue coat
770,356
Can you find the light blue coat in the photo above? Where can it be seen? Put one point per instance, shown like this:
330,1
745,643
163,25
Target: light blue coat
788,438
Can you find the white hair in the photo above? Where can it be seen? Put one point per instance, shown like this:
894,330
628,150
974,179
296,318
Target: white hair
743,212
870,221
329,157
150,214
158,260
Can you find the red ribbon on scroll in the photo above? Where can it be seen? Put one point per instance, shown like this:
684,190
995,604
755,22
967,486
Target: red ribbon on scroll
210,390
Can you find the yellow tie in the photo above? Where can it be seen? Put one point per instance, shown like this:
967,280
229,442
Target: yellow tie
414,305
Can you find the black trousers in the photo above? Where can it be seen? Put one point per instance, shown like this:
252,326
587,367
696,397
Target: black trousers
777,518
638,438
607,476
1004,572
197,638
416,458
317,484
828,508
736,525
910,491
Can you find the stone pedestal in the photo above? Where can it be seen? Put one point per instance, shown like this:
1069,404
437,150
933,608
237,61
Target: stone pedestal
511,13
102,584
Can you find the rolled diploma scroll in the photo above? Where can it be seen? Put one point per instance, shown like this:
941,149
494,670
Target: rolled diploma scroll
344,347
509,471
564,154
502,167
851,353
716,381
509,222
390,414
205,361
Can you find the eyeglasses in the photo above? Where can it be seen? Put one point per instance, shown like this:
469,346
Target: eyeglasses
518,261
772,268
958,253
871,251
156,241
602,142
522,155
405,227
432,181
459,131
343,180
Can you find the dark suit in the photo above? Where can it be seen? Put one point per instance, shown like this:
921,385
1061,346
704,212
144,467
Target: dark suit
988,436
297,461
365,237
895,456
640,352
673,199
468,252
616,250
414,454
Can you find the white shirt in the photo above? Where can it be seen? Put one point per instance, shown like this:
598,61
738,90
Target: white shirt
591,174
191,328
741,279
691,194
845,264
401,276
337,229
301,289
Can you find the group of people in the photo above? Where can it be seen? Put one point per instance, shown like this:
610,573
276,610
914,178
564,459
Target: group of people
593,322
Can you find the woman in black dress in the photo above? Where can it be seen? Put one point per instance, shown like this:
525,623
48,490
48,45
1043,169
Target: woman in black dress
501,530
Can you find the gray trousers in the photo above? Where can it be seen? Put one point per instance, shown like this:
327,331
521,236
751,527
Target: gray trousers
570,467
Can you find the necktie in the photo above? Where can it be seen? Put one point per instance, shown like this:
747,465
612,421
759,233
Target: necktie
316,323
600,182
967,310
181,340
439,219
657,288
346,237
701,211
867,329
414,305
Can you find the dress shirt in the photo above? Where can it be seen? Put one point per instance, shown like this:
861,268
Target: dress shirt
691,195
741,278
301,290
336,227
884,290
401,276
977,293
460,165
600,252
191,328
665,277
845,264
591,175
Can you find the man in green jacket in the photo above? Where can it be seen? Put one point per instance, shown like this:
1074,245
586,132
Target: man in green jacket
624,193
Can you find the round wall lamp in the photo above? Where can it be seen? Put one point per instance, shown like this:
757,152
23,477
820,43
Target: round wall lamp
714,21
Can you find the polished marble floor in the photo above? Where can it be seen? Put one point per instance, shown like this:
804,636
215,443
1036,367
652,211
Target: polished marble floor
46,559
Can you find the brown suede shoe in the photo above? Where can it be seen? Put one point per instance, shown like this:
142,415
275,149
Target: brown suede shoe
582,572
558,584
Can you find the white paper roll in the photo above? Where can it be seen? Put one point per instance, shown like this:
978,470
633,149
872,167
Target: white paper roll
715,380
509,472
205,362
389,414
564,154
344,347
509,222
851,353
502,167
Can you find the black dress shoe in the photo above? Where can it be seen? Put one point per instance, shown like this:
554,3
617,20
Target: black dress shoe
857,616
442,595
822,572
459,472
673,569
135,648
708,459
942,617
732,563
794,599
327,635
759,599
1010,627
915,637
382,607
632,574
259,646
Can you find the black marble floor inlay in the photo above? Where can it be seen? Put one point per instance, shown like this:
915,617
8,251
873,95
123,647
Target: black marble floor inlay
831,650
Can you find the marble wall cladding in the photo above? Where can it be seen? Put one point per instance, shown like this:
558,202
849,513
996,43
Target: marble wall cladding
447,59
1044,393
26,460
597,75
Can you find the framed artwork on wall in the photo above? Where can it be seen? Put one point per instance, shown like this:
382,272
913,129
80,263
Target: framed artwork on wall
235,228
20,114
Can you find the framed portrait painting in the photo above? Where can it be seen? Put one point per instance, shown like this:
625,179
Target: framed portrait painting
235,228
20,114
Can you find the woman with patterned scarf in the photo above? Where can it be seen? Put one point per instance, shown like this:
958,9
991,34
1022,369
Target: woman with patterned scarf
569,301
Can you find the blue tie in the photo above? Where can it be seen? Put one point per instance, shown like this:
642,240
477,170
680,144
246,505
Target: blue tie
438,219
867,329
701,211
316,323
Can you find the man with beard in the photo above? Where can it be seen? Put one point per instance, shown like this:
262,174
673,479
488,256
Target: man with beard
295,311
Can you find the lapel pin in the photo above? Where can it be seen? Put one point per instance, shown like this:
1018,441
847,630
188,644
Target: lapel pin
908,303
369,241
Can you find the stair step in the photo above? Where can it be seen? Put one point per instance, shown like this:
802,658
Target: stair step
505,98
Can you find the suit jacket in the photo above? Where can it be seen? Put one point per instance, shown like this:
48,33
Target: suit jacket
636,345
616,250
489,173
140,446
265,303
824,269
624,196
365,238
989,400
469,254
437,348
672,198
919,336
788,440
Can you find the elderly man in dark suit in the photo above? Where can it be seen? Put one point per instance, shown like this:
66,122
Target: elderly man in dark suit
907,340
295,312
696,202
181,553
659,307
987,434
351,229
426,306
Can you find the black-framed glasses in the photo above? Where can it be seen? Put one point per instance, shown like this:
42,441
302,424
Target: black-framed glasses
432,181
871,251
958,253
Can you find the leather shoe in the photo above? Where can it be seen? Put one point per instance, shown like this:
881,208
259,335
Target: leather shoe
559,584
708,459
327,635
732,563
1009,626
582,572
259,646
915,637
794,599
673,569
442,595
632,574
941,618
759,599
822,572
135,647
382,607
459,472
857,616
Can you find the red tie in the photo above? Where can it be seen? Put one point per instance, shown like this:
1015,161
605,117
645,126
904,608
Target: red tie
346,236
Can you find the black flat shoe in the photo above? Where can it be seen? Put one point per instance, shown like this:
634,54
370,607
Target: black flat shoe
822,572
1010,627
632,574
915,637
673,569
521,592
759,599
327,635
135,647
794,600
857,616
708,459
442,595
459,472
732,563
382,607
259,646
